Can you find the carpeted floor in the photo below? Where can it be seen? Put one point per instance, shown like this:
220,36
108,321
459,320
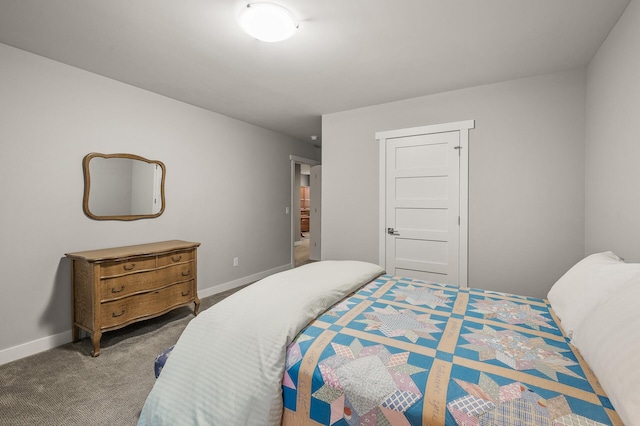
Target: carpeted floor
66,386
301,251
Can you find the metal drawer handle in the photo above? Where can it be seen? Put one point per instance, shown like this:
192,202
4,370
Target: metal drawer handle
113,314
186,293
176,258
186,274
113,289
133,265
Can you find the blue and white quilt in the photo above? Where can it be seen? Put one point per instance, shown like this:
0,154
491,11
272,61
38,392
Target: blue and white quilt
405,352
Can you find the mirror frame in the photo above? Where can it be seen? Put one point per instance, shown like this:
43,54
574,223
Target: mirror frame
87,186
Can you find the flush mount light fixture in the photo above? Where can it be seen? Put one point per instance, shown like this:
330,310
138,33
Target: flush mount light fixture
267,22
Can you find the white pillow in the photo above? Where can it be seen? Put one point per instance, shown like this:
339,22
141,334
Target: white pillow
609,340
583,286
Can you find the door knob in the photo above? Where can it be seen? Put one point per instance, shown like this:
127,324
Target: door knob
392,231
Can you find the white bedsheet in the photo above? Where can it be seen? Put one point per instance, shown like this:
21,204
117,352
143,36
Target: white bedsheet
227,366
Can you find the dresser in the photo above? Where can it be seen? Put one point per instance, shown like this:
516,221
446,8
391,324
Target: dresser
115,287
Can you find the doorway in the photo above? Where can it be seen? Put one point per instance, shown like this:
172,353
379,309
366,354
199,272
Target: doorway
424,202
305,240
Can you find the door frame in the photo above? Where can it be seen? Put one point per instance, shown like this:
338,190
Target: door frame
292,226
459,126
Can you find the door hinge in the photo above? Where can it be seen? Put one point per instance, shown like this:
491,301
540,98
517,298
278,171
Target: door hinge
458,220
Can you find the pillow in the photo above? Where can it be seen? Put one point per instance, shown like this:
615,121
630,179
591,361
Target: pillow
609,340
580,289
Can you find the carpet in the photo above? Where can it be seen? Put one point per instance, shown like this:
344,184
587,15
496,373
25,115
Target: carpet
66,386
301,252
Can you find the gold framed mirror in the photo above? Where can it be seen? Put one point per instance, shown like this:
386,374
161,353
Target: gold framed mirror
122,187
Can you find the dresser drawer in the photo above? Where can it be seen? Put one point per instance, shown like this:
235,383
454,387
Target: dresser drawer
145,304
175,257
121,286
119,267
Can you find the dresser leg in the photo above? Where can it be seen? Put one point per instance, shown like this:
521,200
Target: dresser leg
75,331
196,308
95,339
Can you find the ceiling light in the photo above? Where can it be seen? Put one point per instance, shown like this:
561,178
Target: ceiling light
267,22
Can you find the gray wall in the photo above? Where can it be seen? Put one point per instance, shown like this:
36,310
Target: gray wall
111,189
526,177
53,115
613,141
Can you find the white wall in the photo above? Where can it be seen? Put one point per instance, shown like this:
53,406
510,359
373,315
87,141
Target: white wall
613,141
52,116
526,189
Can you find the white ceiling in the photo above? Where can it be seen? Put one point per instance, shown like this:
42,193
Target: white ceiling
346,53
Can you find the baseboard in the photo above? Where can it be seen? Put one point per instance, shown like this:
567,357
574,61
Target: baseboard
241,281
35,346
31,348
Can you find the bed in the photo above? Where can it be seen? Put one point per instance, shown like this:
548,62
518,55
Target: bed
353,346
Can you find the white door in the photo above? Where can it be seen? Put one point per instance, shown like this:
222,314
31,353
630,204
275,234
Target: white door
295,198
423,205
157,188
315,223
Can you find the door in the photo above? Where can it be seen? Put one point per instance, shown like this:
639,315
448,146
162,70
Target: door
315,214
296,165
424,204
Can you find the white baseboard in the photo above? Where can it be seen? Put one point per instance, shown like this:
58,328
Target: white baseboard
240,282
35,346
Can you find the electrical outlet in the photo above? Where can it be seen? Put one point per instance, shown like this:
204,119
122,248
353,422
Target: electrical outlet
235,261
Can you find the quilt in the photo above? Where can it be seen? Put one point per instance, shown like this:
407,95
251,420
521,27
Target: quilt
404,352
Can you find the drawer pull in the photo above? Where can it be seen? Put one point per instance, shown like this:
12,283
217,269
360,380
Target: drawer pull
113,289
133,265
114,315
176,258
186,293
186,274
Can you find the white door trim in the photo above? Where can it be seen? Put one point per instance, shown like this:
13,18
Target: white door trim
461,126
292,214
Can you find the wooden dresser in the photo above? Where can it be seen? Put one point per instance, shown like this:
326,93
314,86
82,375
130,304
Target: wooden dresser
115,287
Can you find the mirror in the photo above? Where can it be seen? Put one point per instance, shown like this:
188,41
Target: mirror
122,187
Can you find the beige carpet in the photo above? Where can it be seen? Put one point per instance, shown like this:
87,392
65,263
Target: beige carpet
301,252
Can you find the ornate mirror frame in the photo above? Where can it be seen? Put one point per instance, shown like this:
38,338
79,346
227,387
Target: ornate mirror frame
87,187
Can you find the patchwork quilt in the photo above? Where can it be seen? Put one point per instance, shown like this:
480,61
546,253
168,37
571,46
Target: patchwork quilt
405,352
